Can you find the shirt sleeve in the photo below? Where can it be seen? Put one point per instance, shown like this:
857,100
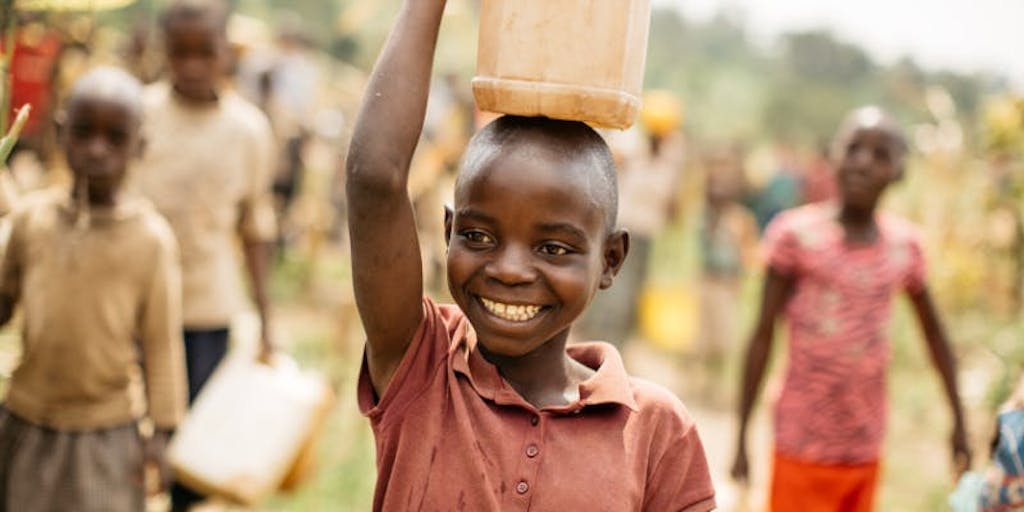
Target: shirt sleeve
256,220
915,280
680,480
426,355
781,247
163,356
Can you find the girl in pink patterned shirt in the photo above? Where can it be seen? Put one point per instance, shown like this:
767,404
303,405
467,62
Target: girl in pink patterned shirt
833,269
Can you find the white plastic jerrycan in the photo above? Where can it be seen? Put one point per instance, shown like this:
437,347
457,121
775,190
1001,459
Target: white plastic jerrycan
248,432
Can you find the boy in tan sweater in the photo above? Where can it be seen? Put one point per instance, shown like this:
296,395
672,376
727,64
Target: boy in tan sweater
96,273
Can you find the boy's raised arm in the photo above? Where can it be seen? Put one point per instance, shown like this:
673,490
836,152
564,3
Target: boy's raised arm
386,267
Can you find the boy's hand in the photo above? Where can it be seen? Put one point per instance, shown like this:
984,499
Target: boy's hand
154,456
961,450
267,346
740,467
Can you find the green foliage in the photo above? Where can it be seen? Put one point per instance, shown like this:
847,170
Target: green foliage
795,92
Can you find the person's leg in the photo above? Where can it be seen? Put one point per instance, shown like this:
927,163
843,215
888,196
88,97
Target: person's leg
862,497
204,351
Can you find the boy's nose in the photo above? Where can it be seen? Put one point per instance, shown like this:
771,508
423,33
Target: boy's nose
862,158
97,147
512,266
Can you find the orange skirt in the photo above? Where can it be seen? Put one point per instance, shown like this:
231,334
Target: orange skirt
799,486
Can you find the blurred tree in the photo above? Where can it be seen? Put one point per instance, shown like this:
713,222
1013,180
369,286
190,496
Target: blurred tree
817,57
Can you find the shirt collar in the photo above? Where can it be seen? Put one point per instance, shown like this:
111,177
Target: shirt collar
127,207
609,385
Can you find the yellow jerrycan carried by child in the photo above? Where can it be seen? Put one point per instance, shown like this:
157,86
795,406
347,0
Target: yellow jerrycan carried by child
579,60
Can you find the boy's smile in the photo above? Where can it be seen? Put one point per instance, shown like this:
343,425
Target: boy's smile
525,252
511,312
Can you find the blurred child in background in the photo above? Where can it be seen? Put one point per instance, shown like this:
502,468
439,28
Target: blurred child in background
833,269
728,244
1005,477
208,169
97,275
649,180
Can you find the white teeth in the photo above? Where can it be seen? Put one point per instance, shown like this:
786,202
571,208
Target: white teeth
520,313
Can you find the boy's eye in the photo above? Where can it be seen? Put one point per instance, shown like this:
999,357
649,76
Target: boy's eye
80,132
478,237
554,250
882,155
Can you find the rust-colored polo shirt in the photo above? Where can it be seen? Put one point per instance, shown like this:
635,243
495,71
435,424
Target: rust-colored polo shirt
451,434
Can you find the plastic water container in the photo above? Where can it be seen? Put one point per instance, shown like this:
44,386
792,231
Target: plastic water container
564,59
251,430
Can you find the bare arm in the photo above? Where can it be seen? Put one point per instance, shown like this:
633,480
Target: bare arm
6,309
257,256
944,361
777,291
386,264
11,273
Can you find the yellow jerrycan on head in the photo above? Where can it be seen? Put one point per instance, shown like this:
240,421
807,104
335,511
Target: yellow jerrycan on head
579,60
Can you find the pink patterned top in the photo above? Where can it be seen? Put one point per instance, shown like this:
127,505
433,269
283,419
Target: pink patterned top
832,408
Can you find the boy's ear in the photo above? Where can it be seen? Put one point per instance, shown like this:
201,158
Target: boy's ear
901,169
449,218
616,247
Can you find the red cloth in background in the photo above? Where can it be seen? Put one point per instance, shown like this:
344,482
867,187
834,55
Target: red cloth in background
32,72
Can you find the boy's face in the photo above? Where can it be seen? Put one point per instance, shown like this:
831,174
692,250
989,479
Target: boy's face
101,137
528,248
196,54
870,158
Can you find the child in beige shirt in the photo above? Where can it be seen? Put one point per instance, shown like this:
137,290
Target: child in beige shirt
96,273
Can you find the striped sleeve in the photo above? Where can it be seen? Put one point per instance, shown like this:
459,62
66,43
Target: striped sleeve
916,267
781,247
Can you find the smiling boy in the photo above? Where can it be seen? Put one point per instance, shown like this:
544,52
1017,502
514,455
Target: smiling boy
480,405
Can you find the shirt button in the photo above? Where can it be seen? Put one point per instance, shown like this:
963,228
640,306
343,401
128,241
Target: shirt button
534,420
522,487
532,451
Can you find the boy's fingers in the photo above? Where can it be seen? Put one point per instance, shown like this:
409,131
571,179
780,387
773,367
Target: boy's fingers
961,460
739,470
266,355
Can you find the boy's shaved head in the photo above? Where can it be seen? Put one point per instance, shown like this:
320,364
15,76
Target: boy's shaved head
869,118
571,142
109,84
214,12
